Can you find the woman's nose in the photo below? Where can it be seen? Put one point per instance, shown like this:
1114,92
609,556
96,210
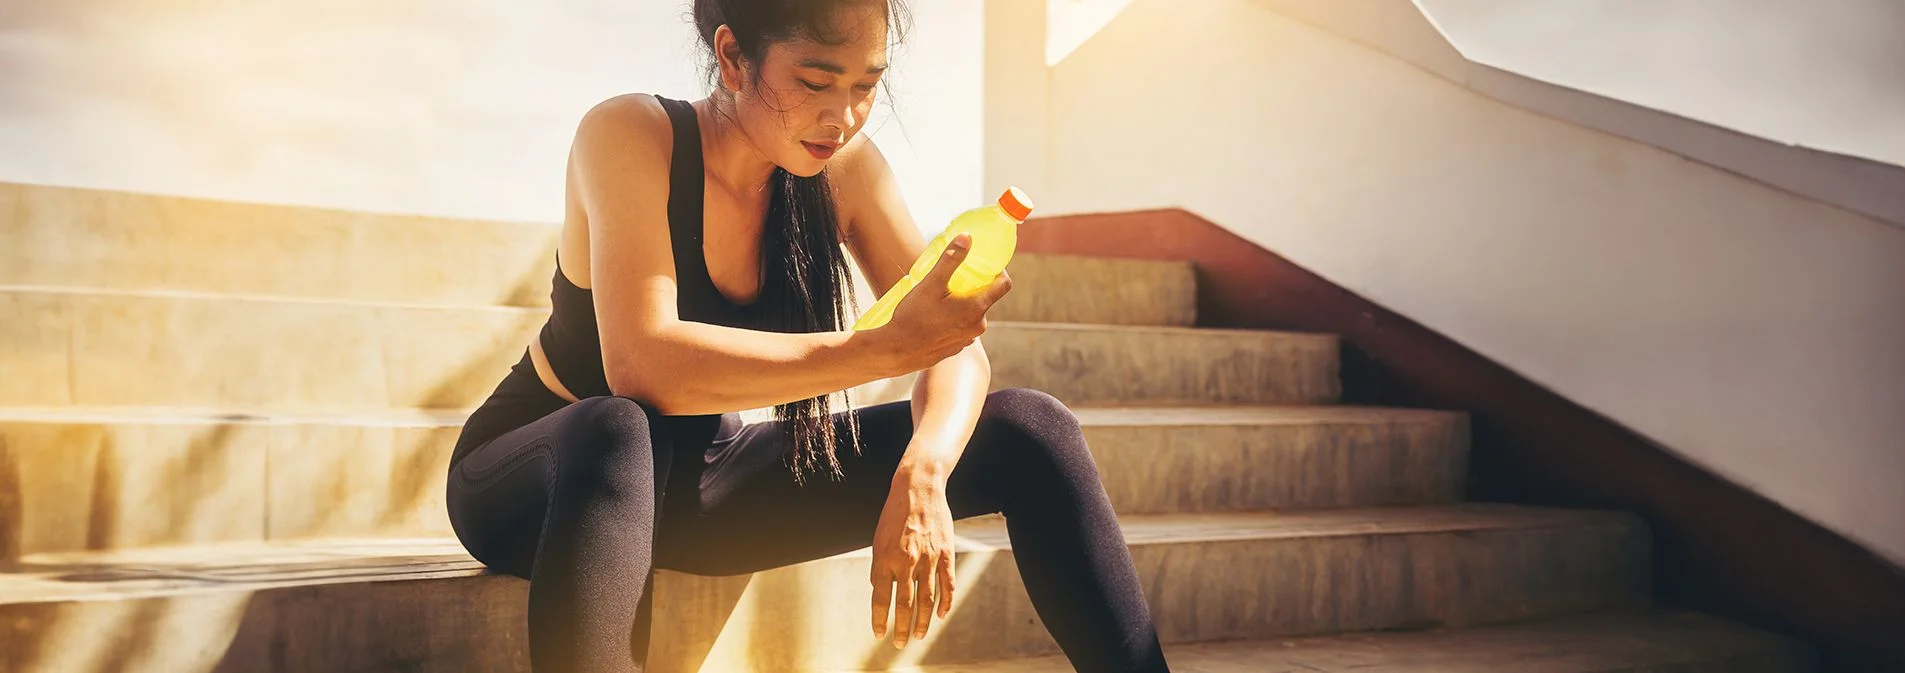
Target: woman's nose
838,114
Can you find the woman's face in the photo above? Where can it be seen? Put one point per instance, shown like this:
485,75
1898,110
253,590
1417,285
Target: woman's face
811,98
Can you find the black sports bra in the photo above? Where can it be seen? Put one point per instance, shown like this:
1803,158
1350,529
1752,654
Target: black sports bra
571,339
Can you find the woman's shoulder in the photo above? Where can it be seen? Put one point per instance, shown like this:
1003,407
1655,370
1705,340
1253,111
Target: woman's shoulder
860,158
629,106
628,121
861,178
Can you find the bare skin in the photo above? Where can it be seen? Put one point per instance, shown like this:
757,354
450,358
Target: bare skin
808,98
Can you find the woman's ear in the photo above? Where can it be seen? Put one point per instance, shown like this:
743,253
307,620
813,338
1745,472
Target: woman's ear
727,52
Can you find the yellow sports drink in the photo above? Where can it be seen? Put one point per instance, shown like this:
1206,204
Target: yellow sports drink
995,234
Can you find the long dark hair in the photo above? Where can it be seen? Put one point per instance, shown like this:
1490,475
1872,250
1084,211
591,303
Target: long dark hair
806,281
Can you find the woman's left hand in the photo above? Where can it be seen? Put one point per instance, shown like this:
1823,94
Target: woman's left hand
912,546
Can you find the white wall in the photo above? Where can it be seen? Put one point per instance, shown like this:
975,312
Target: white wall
439,107
1758,333
1826,75
1720,83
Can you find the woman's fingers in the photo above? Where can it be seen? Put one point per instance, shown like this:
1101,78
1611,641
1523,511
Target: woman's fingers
945,584
903,616
992,293
882,600
925,590
923,604
949,260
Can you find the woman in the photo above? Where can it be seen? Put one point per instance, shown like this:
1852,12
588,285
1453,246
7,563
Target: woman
700,272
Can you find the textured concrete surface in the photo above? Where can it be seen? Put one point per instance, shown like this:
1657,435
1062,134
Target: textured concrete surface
223,430
1613,642
1175,460
111,478
1084,364
200,350
1064,289
71,237
1206,577
148,348
83,238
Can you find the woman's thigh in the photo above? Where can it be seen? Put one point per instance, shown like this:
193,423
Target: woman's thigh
499,492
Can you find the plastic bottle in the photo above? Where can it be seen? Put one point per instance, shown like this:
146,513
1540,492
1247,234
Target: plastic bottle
995,234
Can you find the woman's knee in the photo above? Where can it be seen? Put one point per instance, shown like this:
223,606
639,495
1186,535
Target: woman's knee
1041,423
609,442
1031,411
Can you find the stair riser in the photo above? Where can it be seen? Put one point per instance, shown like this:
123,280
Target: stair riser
87,486
84,238
1198,591
472,624
108,350
65,237
1177,367
813,616
1097,292
106,485
1218,468
97,349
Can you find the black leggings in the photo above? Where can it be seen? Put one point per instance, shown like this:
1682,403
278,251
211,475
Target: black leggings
584,500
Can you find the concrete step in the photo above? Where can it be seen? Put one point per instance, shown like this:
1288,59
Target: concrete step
1228,459
1611,642
72,237
110,348
110,478
424,606
76,237
1094,291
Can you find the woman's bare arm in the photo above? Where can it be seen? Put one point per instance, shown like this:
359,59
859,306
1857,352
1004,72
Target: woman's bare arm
885,240
913,539
619,170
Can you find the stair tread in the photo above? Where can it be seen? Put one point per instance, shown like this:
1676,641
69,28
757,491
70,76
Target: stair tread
248,297
1254,415
209,416
1592,643
1164,329
250,566
1088,415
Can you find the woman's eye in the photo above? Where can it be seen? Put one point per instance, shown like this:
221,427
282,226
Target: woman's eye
864,88
812,86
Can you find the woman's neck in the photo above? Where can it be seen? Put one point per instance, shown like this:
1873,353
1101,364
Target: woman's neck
730,155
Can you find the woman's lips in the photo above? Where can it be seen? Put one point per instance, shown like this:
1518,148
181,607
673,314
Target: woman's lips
821,152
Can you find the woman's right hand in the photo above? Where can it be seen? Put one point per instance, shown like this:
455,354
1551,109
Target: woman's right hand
931,323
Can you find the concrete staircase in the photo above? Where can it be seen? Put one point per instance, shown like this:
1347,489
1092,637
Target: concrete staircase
224,427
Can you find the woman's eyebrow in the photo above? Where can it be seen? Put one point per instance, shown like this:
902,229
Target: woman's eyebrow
835,68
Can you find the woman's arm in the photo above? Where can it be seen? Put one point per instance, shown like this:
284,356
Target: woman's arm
885,241
618,170
912,571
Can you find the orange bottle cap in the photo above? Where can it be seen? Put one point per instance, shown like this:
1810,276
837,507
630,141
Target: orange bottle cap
1016,203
